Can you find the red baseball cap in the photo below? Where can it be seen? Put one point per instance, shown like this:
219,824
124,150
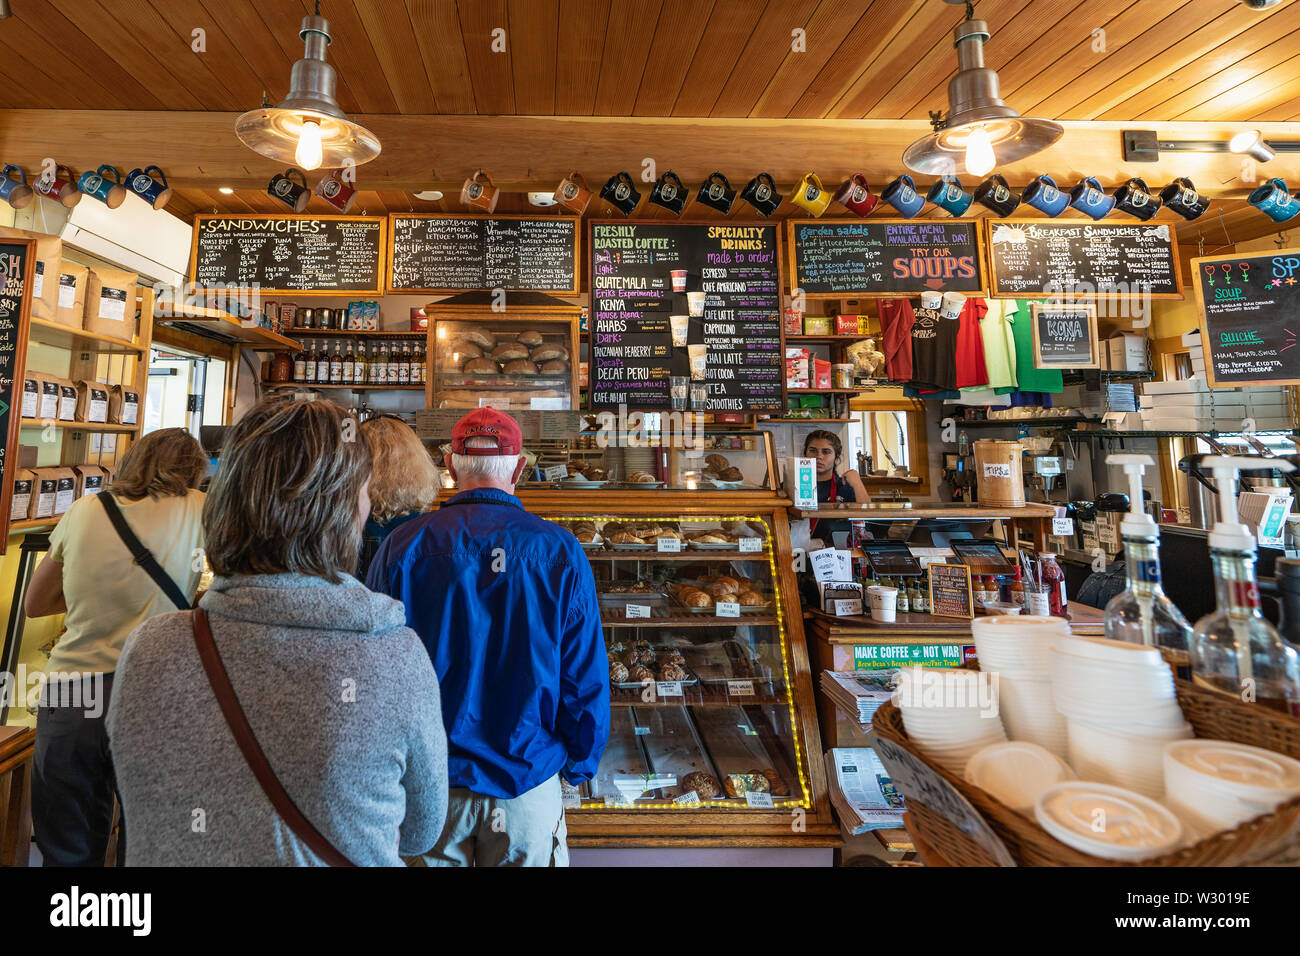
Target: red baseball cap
487,423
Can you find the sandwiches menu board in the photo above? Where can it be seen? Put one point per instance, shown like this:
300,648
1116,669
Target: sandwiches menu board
1082,260
1250,317
454,253
831,259
16,264
685,316
334,255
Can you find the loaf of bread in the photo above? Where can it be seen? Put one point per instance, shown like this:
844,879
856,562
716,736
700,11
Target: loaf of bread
519,366
730,474
482,338
705,787
554,367
464,350
509,352
531,338
546,352
672,672
481,366
642,477
717,462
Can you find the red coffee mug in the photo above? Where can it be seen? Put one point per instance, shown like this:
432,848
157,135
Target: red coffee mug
336,192
63,186
855,195
480,195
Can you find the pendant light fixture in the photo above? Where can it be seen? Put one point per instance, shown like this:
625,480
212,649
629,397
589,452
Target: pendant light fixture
309,128
980,131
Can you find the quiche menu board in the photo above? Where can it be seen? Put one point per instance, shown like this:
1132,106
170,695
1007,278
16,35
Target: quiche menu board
450,253
1082,260
299,255
643,333
830,258
15,280
1249,314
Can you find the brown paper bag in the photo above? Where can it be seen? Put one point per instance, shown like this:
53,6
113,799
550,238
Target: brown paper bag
72,294
30,404
92,401
90,479
67,400
45,488
110,302
21,503
45,275
123,405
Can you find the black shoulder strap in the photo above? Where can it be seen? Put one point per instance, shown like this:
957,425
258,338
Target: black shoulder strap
142,555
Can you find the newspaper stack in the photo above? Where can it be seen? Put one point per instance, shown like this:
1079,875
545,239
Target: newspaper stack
861,792
859,693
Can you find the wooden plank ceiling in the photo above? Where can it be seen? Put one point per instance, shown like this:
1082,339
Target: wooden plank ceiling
1111,60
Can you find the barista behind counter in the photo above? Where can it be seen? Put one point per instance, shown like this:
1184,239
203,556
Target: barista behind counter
825,447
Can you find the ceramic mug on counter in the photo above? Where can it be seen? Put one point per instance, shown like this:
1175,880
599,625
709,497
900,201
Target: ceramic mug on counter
620,192
339,194
761,193
104,184
856,196
717,193
669,193
902,195
1044,195
948,193
480,195
809,194
295,195
153,190
61,186
573,193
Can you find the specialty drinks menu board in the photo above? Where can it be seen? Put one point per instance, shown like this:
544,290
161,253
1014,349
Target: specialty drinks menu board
15,266
1250,317
450,253
884,257
336,255
1076,259
732,352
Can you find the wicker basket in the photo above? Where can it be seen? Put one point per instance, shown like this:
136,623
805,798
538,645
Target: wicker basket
1211,715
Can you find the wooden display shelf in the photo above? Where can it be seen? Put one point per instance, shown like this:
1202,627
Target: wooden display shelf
226,327
30,524
687,554
79,426
805,421
824,391
355,333
66,337
316,386
700,695
830,339
692,620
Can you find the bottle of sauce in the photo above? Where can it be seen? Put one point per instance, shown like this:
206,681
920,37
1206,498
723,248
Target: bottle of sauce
1016,590
903,604
1054,580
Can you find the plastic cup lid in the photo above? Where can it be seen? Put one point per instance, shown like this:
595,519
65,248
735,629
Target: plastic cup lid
1016,772
1237,768
1107,821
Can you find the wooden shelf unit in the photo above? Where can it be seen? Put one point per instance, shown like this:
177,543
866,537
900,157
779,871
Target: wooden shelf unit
227,328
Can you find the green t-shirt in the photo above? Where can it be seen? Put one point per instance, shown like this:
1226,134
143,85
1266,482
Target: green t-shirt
1028,378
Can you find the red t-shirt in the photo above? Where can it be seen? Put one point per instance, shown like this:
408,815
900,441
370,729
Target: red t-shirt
971,372
896,318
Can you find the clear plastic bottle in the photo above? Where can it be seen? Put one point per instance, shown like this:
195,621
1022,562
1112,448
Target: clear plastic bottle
1054,580
1234,650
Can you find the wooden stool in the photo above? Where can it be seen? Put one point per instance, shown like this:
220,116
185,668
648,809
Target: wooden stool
17,747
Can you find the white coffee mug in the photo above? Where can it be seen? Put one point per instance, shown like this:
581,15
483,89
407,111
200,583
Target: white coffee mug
953,303
931,300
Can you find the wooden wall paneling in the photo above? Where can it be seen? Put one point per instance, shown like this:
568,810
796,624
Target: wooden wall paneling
1287,111
677,41
724,36
259,44
762,56
438,33
828,29
19,41
25,85
1276,85
579,49
354,56
532,34
221,56
393,39
199,73
282,19
628,37
490,73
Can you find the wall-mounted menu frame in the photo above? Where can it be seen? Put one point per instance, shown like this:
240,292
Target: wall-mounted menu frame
240,253
425,249
1081,259
950,591
1248,311
876,258
17,266
1064,334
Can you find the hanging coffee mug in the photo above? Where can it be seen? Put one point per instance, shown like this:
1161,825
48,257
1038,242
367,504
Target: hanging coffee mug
949,193
1135,199
1270,198
153,190
339,194
761,193
809,194
62,186
295,195
573,193
902,195
855,195
1181,197
669,192
105,185
995,194
480,195
620,192
16,192
1045,196
1088,197
717,193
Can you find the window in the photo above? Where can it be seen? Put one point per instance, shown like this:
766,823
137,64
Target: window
892,434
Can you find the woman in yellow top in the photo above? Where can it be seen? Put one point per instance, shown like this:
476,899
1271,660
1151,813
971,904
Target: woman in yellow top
91,577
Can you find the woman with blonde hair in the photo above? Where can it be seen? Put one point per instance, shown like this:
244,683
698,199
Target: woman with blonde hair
116,559
403,486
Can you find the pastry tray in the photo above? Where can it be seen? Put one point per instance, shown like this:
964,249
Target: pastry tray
713,546
624,546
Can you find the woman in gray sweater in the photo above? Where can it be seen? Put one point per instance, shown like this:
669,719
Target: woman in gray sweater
338,692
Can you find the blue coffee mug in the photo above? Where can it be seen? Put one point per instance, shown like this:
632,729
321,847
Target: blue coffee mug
949,193
902,195
153,190
104,185
1088,197
1273,200
1045,196
15,192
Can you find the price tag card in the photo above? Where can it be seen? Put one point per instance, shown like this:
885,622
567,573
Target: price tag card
727,609
571,798
546,404
669,688
846,607
1062,526
637,610
740,688
831,564
758,801
556,472
641,731
689,799
672,545
751,544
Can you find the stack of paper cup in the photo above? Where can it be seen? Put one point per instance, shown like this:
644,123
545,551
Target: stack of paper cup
1217,785
1019,651
951,714
1121,707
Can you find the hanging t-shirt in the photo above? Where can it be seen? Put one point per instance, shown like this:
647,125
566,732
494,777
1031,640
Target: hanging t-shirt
999,344
896,319
971,372
934,350
1028,378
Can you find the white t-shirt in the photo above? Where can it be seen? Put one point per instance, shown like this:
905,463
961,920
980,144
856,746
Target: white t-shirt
107,593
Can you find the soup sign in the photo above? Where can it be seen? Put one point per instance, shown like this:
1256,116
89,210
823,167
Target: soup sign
1248,309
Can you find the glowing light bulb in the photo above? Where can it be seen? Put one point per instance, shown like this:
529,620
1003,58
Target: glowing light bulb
309,155
979,153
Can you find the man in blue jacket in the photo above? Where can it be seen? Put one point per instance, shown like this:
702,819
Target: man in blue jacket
506,605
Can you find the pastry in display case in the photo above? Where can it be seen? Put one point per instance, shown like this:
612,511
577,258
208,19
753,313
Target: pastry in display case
515,362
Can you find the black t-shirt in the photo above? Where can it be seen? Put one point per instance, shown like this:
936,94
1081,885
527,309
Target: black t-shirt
934,350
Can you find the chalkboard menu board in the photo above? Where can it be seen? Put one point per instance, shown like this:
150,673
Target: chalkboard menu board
1064,335
1082,260
1250,317
15,302
449,253
884,257
633,306
950,591
298,255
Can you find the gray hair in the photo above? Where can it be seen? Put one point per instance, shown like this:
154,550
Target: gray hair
498,469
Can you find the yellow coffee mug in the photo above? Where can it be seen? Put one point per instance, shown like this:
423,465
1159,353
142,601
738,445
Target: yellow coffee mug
809,194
